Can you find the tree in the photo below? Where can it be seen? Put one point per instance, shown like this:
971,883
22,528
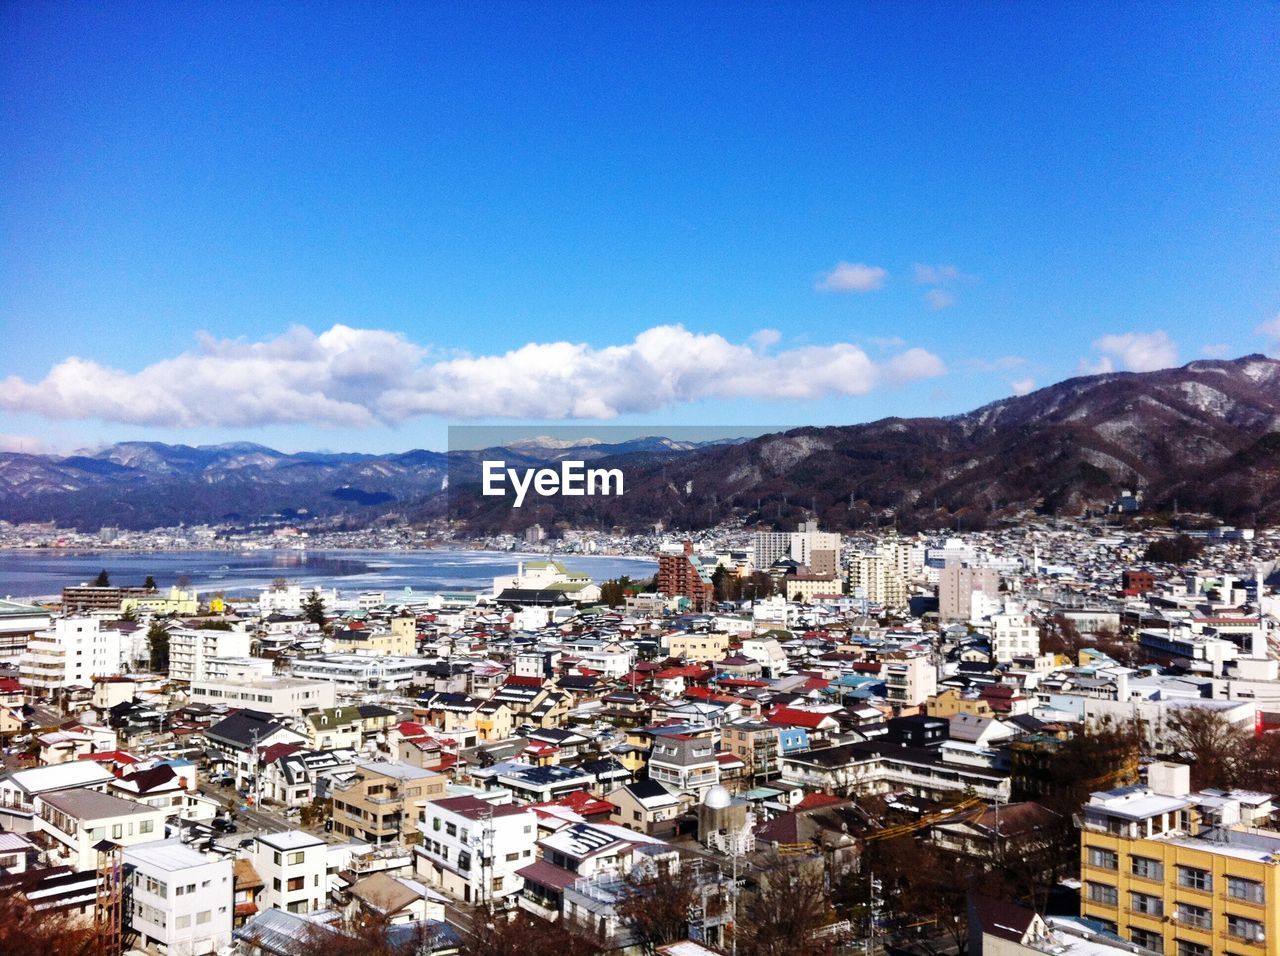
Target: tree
158,646
655,908
521,934
789,907
613,592
1217,748
313,608
41,932
1179,549
149,583
103,580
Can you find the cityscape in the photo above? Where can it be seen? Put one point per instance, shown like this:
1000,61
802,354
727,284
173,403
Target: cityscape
393,561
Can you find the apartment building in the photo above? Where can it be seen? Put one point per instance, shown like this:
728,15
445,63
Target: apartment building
1178,872
76,820
71,653
753,742
472,849
680,576
909,680
180,901
1014,633
383,801
700,646
191,650
956,586
876,578
293,868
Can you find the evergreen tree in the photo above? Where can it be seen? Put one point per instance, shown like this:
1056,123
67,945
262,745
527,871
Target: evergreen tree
313,609
102,580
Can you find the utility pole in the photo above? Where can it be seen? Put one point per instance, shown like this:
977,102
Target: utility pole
257,790
874,906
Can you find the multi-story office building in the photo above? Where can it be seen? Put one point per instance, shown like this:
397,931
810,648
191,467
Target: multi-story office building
956,585
278,696
1180,872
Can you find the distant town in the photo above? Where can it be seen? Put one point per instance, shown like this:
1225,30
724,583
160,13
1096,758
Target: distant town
1056,734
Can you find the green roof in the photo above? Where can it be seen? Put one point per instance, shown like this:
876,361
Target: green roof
337,716
14,609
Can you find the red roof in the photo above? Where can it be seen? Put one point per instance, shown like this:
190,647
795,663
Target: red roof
813,801
744,682
9,685
791,717
514,681
110,756
276,751
580,801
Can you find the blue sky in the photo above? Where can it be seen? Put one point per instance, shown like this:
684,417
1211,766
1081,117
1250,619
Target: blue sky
342,226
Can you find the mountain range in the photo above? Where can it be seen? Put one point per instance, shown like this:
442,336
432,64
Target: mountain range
1204,437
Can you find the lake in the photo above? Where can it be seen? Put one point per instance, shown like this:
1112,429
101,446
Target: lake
42,573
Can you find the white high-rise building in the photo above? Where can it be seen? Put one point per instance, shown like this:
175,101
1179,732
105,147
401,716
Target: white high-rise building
1014,634
73,652
191,651
769,547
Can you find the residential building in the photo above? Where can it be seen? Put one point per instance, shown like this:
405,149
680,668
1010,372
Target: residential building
76,820
472,849
383,800
753,742
293,869
910,680
684,760
680,576
190,651
1014,633
180,901
72,653
359,673
956,585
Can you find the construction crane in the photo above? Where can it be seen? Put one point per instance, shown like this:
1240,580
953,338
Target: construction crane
925,821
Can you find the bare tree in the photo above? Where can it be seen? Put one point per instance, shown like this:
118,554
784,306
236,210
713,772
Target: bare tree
1217,748
789,907
521,934
34,932
656,906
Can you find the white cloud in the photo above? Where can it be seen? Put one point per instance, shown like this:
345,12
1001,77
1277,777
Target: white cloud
765,338
1270,329
24,444
1216,350
1023,385
1134,351
937,275
358,377
939,299
852,277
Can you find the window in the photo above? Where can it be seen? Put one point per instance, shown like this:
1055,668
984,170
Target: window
1241,927
464,860
435,824
1146,938
1194,878
277,857
1239,888
117,831
1146,868
204,917
296,858
512,857
183,922
1146,904
1103,859
1102,893
297,883
146,826
1197,916
1186,948
451,829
